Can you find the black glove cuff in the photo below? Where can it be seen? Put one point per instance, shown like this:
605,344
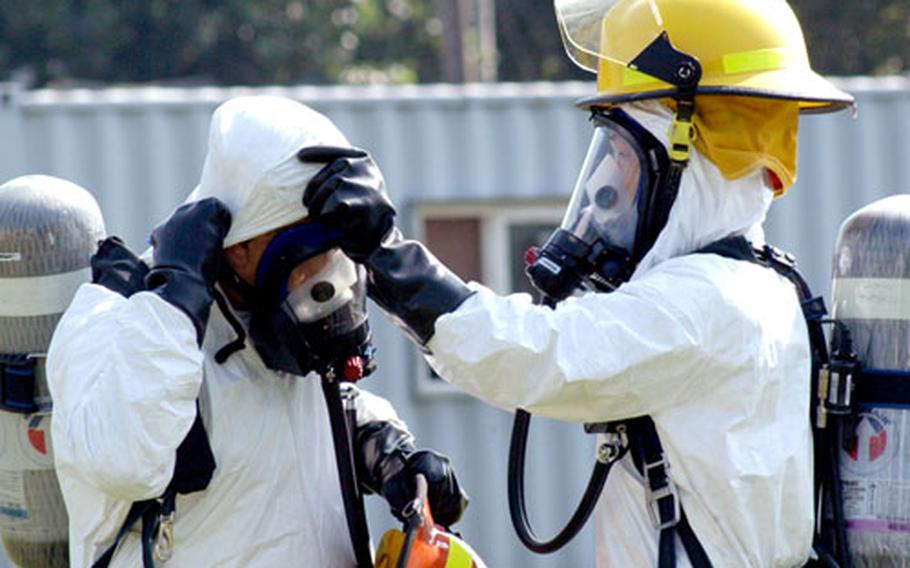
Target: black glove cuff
383,448
184,291
117,268
415,288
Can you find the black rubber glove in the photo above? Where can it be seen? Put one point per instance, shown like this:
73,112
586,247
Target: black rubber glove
447,500
404,278
117,268
187,254
348,195
388,464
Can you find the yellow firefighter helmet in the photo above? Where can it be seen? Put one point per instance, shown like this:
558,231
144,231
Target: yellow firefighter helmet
739,47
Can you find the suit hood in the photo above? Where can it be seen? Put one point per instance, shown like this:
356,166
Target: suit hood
708,207
252,163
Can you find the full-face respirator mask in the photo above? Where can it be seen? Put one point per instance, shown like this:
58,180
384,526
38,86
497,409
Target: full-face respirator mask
322,323
618,207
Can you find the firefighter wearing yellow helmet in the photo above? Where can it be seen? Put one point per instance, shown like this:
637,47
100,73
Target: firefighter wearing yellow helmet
663,320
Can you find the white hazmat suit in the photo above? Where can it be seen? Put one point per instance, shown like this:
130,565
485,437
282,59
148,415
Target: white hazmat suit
125,373
715,350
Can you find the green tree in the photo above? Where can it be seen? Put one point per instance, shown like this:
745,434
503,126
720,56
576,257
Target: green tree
227,41
847,37
258,42
844,37
530,47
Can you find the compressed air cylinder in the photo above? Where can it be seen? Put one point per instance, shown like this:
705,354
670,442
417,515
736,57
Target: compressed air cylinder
49,229
871,295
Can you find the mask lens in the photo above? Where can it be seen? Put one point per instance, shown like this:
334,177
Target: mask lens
604,204
329,308
292,246
324,292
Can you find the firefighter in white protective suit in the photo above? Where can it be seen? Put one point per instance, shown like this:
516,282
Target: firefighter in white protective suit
660,310
187,428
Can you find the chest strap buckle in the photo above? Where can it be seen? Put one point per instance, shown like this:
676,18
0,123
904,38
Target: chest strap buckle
660,495
164,537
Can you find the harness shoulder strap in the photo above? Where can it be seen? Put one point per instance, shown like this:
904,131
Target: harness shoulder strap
663,503
662,500
784,263
193,471
814,313
156,516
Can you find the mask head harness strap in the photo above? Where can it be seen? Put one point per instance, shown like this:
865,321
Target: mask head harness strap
288,249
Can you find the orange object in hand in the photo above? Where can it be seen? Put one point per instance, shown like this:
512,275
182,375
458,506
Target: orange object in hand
431,547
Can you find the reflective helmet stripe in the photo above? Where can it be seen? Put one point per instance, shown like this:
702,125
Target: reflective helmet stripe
755,60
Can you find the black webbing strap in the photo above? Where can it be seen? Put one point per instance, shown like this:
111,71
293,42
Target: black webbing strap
697,554
879,386
136,512
193,471
814,313
150,512
342,419
662,503
784,263
882,387
814,310
813,307
17,383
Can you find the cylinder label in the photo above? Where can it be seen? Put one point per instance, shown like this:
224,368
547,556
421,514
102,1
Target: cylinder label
876,487
12,494
871,298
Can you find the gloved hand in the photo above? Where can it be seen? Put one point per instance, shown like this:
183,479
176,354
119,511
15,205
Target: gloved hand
117,268
388,464
405,279
447,500
186,257
348,194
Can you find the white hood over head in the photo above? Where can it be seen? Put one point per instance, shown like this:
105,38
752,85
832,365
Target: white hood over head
252,163
709,207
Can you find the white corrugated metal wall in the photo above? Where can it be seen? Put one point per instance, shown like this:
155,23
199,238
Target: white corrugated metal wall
140,152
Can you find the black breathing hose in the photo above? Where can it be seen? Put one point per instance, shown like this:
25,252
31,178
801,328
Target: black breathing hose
347,472
517,508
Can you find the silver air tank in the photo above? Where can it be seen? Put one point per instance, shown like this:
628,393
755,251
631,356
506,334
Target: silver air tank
49,229
871,295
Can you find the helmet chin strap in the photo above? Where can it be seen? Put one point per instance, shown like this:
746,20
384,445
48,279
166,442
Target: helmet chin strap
663,61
